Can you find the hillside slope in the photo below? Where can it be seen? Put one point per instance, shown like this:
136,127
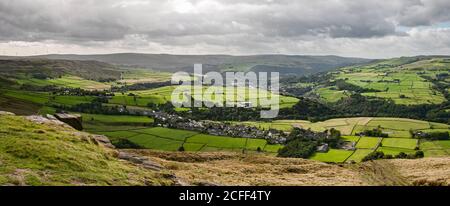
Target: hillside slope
93,70
285,64
54,154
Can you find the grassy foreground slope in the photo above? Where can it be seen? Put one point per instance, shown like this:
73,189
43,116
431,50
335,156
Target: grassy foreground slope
49,154
226,168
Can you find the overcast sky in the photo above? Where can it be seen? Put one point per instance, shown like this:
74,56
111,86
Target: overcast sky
361,28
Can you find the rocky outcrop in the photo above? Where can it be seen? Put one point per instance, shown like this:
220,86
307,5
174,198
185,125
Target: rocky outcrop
140,160
49,119
151,165
73,120
104,141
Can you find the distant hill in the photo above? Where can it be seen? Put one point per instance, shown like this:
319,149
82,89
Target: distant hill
93,70
406,81
285,64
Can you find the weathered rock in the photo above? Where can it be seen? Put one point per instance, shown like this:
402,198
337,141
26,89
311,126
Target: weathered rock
50,117
103,140
73,120
151,165
6,113
129,157
42,120
139,160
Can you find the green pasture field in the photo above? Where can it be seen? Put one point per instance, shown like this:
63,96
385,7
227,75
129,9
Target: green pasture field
400,127
157,143
98,123
395,151
219,142
345,125
144,76
18,106
35,97
174,134
193,147
140,101
333,155
368,142
284,125
399,123
400,143
328,94
164,94
66,81
116,119
394,127
350,138
254,144
78,82
159,138
71,100
272,148
403,86
119,134
359,154
435,148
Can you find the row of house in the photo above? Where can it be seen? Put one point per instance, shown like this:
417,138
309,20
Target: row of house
163,119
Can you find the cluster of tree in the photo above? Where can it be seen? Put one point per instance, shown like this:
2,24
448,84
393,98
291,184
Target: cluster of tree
55,90
166,107
442,76
93,108
343,85
298,148
123,143
380,155
319,78
358,105
334,138
140,86
376,132
307,109
47,88
354,106
297,91
107,79
431,135
222,113
81,92
40,76
302,143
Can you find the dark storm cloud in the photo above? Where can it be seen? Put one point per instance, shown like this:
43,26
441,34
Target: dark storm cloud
425,13
240,25
108,20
